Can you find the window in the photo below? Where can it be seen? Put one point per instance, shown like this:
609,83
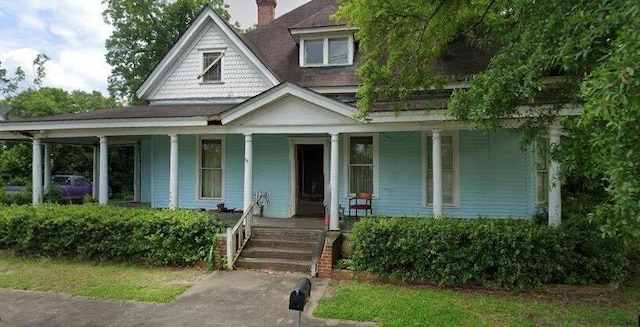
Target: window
338,51
211,168
313,51
542,171
361,164
81,181
448,149
329,51
212,66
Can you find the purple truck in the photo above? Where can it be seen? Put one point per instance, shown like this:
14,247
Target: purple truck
70,187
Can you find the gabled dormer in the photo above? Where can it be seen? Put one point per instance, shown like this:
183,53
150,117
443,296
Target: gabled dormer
323,42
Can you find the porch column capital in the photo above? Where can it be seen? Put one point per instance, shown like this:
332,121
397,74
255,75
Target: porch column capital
334,218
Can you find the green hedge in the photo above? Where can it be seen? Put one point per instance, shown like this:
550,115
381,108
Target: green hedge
156,237
513,253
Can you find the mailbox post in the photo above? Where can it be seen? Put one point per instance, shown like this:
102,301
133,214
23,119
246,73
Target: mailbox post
299,297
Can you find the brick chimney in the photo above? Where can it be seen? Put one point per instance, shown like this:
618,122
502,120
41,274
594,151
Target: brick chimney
266,11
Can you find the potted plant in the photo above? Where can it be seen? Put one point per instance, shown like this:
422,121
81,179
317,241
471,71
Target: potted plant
262,200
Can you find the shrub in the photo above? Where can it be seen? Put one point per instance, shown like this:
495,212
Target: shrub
156,237
513,253
20,198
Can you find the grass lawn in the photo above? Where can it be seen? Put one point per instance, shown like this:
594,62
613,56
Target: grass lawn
390,305
97,280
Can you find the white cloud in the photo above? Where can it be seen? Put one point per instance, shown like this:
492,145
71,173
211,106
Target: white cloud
72,33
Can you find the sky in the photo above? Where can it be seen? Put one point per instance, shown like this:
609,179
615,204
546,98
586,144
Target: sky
72,34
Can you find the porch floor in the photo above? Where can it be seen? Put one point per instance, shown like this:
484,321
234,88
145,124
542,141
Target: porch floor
229,219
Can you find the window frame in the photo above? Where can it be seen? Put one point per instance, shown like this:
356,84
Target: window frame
202,53
347,162
199,166
427,199
545,170
325,50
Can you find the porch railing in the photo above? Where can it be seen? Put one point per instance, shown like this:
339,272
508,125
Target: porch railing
238,235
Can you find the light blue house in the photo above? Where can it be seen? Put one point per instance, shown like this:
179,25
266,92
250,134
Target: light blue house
272,111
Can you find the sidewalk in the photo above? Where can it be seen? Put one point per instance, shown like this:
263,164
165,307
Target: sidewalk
224,298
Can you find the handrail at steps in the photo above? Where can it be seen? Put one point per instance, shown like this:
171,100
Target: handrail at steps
238,235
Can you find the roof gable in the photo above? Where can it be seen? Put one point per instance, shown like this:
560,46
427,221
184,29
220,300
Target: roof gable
206,23
290,105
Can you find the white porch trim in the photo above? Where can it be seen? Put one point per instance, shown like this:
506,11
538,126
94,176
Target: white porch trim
248,178
334,223
437,173
555,197
173,172
36,172
103,193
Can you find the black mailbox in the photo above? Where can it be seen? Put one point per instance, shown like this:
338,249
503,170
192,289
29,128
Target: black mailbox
300,294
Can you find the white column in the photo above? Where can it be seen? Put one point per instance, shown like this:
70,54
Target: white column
36,171
103,184
437,174
96,173
173,172
47,167
248,178
555,198
334,223
136,172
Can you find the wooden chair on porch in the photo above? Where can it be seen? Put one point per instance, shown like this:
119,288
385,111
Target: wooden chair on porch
362,201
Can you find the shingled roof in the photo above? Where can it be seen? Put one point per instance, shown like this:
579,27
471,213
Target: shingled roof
279,51
274,44
136,112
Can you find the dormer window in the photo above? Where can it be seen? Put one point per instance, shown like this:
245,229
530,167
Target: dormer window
211,66
326,51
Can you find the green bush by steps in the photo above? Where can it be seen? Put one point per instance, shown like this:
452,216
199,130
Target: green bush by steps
513,253
90,231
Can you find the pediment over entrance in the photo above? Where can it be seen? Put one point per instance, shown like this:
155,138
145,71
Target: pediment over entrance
290,105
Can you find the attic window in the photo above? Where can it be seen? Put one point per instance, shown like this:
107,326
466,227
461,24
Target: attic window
328,51
212,67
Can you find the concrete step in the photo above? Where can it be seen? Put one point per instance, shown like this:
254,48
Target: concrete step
281,243
276,253
301,266
285,233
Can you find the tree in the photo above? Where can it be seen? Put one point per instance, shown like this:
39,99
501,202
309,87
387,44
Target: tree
595,45
37,101
144,31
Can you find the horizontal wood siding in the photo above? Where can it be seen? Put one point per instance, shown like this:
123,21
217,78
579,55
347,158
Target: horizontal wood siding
160,183
400,187
495,176
234,172
240,77
271,172
145,169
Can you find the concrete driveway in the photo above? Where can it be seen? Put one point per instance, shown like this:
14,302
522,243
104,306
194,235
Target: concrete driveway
224,298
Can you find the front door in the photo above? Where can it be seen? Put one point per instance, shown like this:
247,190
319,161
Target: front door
309,180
